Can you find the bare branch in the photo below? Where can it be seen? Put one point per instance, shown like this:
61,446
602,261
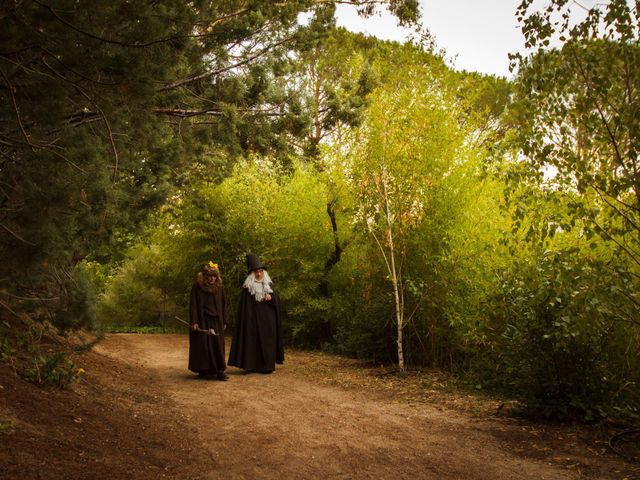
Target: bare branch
186,113
41,299
7,307
15,107
107,40
14,234
227,17
75,72
612,137
604,198
212,73
355,3
102,115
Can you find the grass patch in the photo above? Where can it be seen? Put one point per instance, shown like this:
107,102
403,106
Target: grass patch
7,427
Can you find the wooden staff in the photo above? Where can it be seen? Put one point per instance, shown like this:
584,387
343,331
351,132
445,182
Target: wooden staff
210,331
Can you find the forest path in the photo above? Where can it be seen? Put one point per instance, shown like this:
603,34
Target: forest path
285,425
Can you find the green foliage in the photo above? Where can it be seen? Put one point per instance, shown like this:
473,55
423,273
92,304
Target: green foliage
562,344
577,119
416,171
278,208
59,297
570,335
63,177
77,309
140,291
56,369
334,82
24,351
515,224
361,305
107,107
260,208
560,331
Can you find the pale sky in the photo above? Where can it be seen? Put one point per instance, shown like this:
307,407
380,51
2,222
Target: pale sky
477,35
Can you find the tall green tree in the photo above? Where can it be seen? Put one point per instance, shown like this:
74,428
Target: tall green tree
335,82
103,106
577,111
410,142
574,193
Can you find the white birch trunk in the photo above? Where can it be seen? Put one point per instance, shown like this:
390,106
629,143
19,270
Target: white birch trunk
394,278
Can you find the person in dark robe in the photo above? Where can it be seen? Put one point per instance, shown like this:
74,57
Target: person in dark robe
257,343
208,310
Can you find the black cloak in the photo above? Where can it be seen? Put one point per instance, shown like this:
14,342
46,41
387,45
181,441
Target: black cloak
257,343
206,352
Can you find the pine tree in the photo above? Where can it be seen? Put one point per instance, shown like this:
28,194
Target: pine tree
103,105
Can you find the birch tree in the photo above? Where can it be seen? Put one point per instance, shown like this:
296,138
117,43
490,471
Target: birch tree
408,145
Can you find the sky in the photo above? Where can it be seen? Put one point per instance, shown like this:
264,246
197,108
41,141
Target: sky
477,35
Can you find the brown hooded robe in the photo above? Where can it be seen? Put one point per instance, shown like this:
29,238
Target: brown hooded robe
208,309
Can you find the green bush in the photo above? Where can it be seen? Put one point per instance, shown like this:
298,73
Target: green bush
140,292
562,347
78,299
56,369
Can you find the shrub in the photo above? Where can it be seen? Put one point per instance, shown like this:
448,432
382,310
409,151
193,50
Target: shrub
563,346
55,369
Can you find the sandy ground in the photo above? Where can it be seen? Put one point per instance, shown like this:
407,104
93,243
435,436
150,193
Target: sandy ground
140,414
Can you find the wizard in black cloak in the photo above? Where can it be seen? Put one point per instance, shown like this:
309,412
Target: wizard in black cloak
208,310
257,344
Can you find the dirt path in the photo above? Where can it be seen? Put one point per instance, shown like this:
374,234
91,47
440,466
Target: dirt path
285,425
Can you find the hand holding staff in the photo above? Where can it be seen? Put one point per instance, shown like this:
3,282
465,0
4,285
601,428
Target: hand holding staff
196,328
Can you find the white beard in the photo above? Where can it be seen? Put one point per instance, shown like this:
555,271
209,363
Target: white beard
258,288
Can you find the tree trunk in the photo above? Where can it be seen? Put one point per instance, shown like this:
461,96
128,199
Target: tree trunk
334,258
394,279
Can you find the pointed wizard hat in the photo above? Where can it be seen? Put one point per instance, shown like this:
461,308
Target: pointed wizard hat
253,262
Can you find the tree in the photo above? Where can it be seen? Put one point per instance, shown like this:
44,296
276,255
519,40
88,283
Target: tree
101,105
574,191
577,113
577,110
410,142
335,81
